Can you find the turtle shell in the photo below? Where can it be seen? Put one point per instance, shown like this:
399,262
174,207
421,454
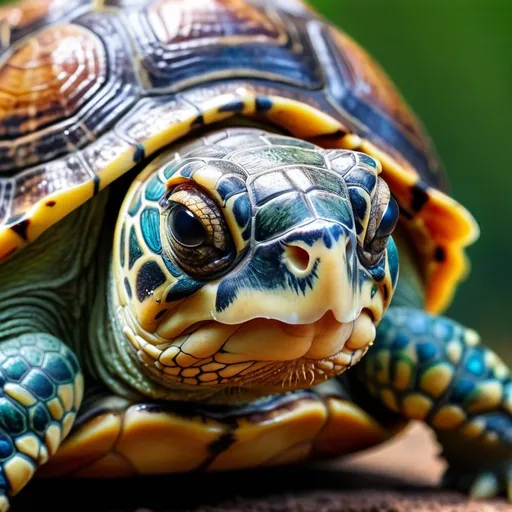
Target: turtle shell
88,89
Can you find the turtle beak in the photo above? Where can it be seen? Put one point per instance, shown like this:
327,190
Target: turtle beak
296,280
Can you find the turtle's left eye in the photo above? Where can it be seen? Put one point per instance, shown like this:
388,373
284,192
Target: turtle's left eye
197,237
186,228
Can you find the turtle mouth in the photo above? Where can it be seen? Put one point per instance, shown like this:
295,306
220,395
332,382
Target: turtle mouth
257,357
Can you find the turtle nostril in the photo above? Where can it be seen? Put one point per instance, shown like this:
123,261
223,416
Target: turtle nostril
297,257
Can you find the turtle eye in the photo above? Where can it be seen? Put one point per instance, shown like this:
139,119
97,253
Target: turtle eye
186,228
375,245
197,236
389,219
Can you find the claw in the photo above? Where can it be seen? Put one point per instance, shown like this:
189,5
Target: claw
484,486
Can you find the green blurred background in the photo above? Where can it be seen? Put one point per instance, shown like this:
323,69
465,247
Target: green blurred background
452,61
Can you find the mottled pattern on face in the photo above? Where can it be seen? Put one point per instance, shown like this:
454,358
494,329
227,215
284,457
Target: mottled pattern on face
274,192
298,223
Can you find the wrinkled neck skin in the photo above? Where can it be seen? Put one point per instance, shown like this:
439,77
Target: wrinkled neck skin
297,308
50,286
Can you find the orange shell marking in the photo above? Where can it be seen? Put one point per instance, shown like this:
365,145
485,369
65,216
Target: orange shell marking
48,78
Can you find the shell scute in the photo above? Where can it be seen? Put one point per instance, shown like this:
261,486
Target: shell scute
180,42
166,438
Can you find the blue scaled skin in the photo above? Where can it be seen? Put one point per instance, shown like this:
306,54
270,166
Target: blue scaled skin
433,369
41,390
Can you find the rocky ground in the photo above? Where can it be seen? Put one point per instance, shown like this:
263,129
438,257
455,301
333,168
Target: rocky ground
398,477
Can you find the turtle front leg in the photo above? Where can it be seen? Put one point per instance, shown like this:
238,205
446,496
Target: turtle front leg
435,370
42,388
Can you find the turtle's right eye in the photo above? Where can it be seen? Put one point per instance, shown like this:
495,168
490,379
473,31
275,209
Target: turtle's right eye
197,236
389,219
376,242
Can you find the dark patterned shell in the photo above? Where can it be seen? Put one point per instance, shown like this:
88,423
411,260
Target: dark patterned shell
90,88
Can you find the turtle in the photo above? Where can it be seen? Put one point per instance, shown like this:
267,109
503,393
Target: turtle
226,241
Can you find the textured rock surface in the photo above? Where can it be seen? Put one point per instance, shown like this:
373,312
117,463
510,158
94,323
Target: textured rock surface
398,477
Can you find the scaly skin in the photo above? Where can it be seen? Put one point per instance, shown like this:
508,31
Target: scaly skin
45,295
435,370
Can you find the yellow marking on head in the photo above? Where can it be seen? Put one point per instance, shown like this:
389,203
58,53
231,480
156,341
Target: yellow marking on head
55,408
28,444
131,337
485,397
234,369
150,350
65,392
403,374
436,379
448,417
172,370
18,471
184,360
416,406
235,230
169,354
190,372
212,367
206,177
20,394
206,342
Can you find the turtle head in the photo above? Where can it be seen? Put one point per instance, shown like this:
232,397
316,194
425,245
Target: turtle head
257,270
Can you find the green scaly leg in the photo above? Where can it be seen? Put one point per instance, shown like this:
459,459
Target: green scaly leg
41,390
433,369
